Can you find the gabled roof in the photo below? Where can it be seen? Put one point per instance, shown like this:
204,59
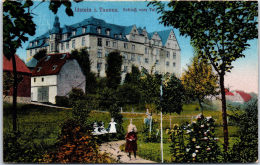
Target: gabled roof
20,66
245,96
164,35
47,64
228,93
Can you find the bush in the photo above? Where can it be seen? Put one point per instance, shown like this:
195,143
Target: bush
62,101
80,111
76,94
76,145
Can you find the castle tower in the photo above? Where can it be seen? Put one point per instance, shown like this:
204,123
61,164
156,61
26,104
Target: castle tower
55,36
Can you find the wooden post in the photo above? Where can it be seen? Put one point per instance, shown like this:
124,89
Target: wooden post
161,138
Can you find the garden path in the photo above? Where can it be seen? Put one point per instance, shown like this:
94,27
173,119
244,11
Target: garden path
113,150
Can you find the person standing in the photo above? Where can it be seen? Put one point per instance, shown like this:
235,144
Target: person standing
131,140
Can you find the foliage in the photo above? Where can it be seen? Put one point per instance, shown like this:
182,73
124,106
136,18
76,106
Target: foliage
155,134
150,88
82,58
173,95
62,101
199,80
201,143
76,145
133,77
219,32
80,112
128,94
40,54
7,82
113,71
76,94
20,148
245,150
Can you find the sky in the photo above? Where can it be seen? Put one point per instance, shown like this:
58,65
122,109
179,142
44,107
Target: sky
244,75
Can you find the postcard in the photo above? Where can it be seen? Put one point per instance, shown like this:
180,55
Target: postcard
130,81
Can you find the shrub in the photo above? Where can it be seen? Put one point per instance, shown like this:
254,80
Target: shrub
62,101
76,145
155,134
76,94
80,111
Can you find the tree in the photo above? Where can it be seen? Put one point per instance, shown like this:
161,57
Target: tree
39,55
18,23
245,149
134,76
219,31
82,58
199,80
113,71
173,95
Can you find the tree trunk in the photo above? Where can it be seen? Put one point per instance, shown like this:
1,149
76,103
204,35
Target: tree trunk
14,95
224,112
201,107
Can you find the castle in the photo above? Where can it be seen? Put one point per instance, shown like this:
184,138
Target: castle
158,50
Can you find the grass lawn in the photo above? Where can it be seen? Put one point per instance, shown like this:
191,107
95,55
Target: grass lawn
46,121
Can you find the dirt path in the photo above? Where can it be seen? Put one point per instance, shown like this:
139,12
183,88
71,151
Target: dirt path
112,148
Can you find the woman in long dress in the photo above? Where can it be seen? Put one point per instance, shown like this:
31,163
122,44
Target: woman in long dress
131,140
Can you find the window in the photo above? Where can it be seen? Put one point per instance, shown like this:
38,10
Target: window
73,44
146,51
108,32
156,43
167,54
120,35
34,79
157,51
38,69
54,67
133,47
83,30
63,56
42,79
125,45
83,41
36,43
115,35
114,44
99,43
108,43
157,62
52,46
145,40
106,53
139,59
133,57
125,69
125,56
99,53
173,64
73,32
31,52
64,36
174,55
30,44
167,63
47,40
67,45
146,60
99,64
62,46
47,58
99,30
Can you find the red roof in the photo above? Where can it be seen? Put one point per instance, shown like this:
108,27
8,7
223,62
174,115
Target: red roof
20,65
246,97
50,65
228,93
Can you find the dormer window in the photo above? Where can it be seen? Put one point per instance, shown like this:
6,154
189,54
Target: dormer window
73,32
38,69
108,32
83,30
115,35
120,35
30,44
63,56
47,58
54,67
135,31
99,30
36,43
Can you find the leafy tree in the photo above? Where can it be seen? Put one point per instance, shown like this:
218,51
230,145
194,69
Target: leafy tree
219,31
39,55
128,94
82,58
245,150
113,71
134,76
173,95
199,80
18,24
